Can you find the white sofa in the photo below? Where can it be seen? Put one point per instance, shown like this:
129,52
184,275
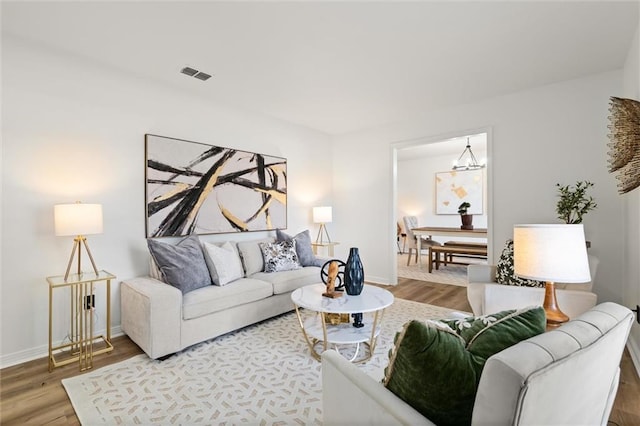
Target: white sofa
162,321
485,295
567,376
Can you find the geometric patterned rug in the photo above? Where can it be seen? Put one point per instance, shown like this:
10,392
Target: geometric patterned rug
261,374
450,274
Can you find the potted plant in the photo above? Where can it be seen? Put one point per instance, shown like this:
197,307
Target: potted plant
467,219
574,202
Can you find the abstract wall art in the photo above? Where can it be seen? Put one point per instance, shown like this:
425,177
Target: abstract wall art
194,188
455,187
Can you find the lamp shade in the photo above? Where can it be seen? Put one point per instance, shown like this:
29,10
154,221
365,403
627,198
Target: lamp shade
556,253
78,219
322,215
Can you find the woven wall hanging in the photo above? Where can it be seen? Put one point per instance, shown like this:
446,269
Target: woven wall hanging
624,148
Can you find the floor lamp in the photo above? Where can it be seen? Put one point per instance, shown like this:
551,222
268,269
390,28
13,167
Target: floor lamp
322,215
551,253
78,220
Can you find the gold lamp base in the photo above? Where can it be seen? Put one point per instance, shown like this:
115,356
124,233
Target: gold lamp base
555,317
322,232
78,242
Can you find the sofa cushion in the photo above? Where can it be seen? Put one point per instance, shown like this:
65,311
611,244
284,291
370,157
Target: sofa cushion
223,262
251,255
505,273
182,265
286,281
303,246
213,298
280,256
436,366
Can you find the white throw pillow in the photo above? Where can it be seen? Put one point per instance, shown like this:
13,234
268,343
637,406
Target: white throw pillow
223,262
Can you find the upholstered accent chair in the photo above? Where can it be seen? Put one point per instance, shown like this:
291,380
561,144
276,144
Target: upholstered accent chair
411,222
486,295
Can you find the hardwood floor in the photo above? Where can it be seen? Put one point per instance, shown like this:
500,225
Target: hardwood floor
29,394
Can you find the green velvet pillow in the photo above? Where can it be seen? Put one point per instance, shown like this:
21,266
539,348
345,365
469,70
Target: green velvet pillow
435,366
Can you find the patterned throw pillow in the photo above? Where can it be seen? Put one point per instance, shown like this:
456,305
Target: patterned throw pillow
435,366
306,257
505,273
280,256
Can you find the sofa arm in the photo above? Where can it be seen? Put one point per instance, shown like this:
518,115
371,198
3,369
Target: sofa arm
498,297
349,396
481,273
477,277
151,315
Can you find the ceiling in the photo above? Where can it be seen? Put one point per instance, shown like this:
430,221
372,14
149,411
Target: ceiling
449,147
338,67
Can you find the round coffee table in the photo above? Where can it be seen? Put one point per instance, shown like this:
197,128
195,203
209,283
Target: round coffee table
317,328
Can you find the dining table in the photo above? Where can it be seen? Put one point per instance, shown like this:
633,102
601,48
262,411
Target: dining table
445,232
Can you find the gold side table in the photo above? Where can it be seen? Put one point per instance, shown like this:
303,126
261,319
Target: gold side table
83,344
329,246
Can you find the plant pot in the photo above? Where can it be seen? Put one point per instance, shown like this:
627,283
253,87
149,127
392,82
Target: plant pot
467,221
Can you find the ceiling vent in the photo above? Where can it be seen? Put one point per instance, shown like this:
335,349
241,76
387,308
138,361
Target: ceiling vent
202,76
191,72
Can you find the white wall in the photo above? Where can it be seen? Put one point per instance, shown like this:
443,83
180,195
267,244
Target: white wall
416,191
555,133
632,201
74,130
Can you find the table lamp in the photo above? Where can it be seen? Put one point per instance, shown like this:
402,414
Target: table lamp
322,215
551,253
78,220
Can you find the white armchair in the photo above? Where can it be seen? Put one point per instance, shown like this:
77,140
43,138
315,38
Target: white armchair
485,295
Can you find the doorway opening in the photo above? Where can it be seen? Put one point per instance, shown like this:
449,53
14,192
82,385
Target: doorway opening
426,187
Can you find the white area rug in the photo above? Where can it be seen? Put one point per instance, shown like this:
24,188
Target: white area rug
262,374
450,274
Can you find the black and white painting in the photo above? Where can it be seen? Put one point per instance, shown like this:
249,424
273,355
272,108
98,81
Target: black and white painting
194,188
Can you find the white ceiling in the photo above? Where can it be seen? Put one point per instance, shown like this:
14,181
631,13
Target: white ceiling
449,147
339,66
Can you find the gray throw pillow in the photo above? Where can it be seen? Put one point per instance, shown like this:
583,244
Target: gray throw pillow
182,265
303,246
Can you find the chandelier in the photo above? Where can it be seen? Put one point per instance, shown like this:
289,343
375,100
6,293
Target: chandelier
470,163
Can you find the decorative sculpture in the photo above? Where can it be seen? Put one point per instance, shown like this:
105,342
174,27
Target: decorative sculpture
624,148
331,280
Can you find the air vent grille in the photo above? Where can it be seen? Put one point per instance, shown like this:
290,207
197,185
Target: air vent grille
202,76
192,72
189,71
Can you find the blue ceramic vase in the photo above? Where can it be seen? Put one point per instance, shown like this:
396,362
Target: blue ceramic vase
353,273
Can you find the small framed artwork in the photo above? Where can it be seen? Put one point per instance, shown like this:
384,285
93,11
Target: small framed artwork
194,188
455,187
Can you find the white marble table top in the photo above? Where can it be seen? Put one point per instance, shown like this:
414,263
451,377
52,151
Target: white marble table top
371,299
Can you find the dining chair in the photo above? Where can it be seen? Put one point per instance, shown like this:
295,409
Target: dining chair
403,235
411,222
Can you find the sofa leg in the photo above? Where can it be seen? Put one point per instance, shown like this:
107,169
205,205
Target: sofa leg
166,357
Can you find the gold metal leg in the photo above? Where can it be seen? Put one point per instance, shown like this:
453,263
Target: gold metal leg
310,342
50,329
109,311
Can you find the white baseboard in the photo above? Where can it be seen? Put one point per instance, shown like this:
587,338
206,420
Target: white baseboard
41,351
634,351
378,280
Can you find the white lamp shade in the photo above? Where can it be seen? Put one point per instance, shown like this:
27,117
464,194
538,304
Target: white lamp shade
556,253
78,219
322,215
